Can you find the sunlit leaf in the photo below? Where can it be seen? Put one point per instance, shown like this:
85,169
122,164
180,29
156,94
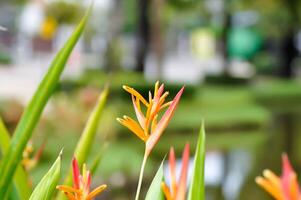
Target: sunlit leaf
21,186
34,110
46,187
197,186
155,191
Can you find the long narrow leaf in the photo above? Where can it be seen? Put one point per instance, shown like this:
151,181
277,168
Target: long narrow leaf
34,110
97,159
197,186
85,143
155,192
46,187
21,186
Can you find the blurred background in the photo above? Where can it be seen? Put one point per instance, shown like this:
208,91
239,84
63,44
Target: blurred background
239,59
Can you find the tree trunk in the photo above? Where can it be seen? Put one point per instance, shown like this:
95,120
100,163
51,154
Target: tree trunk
289,50
142,34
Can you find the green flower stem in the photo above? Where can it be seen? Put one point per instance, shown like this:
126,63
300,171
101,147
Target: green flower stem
141,175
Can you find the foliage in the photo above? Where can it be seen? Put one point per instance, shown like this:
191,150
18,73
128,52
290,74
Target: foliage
31,115
64,12
45,189
149,128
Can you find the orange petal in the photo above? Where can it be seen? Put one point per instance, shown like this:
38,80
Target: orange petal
148,113
96,191
154,137
133,126
165,105
135,93
181,190
139,114
70,196
160,91
88,182
289,180
154,123
150,98
40,151
265,184
76,174
67,189
172,171
166,191
163,97
273,179
156,101
156,88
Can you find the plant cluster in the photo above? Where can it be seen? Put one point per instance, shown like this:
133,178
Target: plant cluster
151,122
149,127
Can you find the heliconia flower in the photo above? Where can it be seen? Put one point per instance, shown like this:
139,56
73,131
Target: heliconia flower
285,187
81,185
147,127
177,189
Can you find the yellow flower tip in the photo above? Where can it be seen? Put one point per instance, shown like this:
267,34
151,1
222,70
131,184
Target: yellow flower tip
259,180
97,191
119,120
267,173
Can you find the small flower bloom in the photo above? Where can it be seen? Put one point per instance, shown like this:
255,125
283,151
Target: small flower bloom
177,189
148,128
81,185
29,160
285,187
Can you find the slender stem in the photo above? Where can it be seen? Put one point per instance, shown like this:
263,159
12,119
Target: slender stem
141,176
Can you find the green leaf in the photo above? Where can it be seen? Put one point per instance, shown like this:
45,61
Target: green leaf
197,186
84,145
155,192
34,110
21,186
97,159
46,187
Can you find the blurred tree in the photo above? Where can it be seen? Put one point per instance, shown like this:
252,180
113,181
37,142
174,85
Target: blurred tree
280,21
289,48
157,33
15,2
64,12
113,55
143,33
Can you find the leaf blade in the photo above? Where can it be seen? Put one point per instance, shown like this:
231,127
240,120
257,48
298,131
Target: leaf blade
155,191
85,142
46,187
197,186
34,110
21,186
